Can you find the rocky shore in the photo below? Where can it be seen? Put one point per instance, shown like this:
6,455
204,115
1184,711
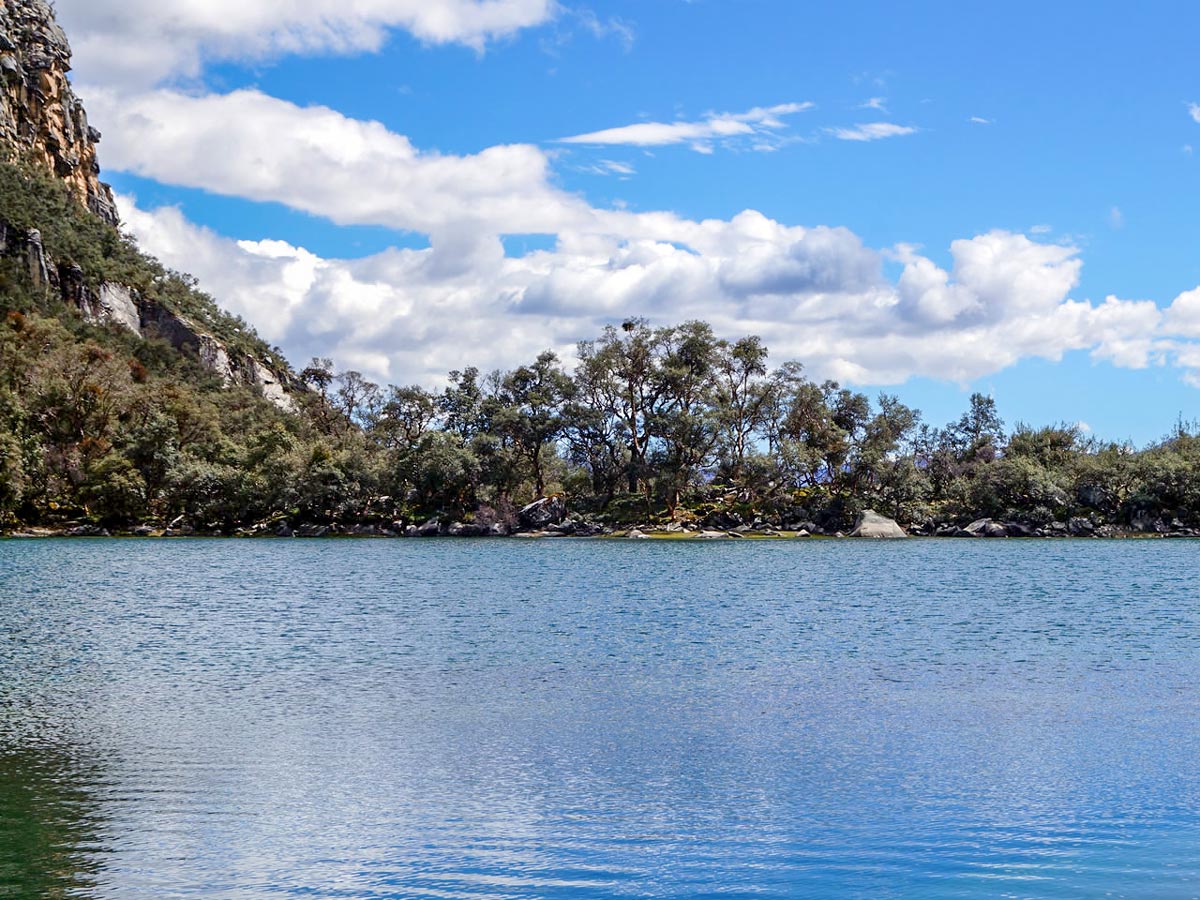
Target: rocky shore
549,518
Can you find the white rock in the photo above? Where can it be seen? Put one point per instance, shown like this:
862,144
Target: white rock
872,525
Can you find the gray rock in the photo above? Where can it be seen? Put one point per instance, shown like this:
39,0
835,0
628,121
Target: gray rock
1080,527
117,305
88,531
872,525
712,536
995,530
978,528
35,256
432,528
544,512
636,535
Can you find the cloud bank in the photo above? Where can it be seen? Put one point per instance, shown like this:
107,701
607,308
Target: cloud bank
143,42
818,295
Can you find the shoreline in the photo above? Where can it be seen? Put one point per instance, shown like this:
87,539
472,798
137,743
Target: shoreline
323,534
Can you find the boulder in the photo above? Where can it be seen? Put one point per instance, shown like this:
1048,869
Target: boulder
636,535
712,536
1080,527
995,530
872,525
432,528
542,513
978,528
469,529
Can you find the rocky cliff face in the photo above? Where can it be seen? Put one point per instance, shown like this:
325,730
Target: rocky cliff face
40,116
44,123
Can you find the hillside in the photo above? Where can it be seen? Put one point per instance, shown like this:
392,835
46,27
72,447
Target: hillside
106,358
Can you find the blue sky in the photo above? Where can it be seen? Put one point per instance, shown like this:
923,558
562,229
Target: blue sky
1024,163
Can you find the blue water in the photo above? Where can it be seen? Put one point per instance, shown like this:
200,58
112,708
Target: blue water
599,719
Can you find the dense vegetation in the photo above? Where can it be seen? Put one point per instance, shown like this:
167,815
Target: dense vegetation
100,427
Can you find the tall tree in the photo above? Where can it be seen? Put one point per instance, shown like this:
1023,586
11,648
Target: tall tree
533,400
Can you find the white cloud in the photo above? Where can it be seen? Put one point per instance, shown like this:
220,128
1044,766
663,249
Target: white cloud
142,42
872,131
979,120
1194,112
1116,218
876,103
1183,315
314,159
816,295
715,127
622,170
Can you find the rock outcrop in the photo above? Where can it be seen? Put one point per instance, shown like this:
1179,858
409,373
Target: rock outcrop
543,513
40,116
872,525
42,122
119,305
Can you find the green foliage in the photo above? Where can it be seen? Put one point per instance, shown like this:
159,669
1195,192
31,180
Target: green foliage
99,425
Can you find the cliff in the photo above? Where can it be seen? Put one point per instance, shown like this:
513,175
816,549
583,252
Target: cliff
41,119
73,253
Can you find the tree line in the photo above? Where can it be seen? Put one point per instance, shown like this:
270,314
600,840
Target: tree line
652,424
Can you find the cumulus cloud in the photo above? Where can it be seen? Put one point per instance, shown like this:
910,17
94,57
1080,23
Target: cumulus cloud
872,131
1194,112
818,295
700,134
142,42
815,295
248,144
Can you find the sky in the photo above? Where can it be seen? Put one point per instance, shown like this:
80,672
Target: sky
926,200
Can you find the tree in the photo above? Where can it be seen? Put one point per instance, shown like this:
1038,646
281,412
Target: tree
979,434
357,399
622,370
686,421
743,399
406,416
532,403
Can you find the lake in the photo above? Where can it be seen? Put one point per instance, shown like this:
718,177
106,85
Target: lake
599,719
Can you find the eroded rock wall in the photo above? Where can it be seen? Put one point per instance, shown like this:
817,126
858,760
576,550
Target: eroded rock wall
40,116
